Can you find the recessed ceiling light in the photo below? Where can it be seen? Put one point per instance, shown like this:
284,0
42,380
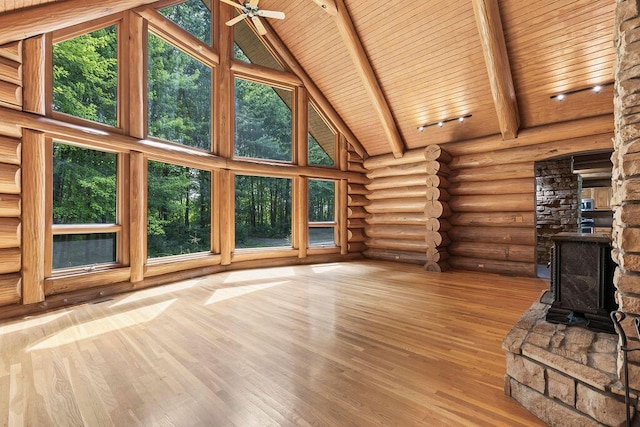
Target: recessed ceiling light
421,128
461,119
597,88
560,97
440,124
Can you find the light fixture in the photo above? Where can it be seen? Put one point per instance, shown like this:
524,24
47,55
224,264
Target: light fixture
441,123
594,89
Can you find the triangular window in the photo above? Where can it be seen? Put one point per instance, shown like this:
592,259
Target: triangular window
193,16
249,48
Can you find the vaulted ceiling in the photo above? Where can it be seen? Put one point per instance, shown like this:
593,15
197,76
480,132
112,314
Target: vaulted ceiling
428,59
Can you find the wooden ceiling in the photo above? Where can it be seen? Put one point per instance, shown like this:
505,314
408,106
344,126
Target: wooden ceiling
428,60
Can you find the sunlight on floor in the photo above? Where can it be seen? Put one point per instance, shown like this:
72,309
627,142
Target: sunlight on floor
324,268
103,326
154,292
270,273
228,293
21,325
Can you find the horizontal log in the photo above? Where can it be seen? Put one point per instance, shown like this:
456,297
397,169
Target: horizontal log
436,168
437,267
414,204
10,150
481,235
9,128
356,235
10,289
353,156
494,173
398,219
435,152
356,247
398,193
438,224
10,233
504,186
357,189
407,181
9,179
434,193
356,212
436,239
12,51
70,283
437,209
493,203
357,200
399,244
398,170
10,71
494,219
510,268
493,251
412,156
437,254
398,256
10,260
356,223
10,93
533,153
356,167
10,205
409,232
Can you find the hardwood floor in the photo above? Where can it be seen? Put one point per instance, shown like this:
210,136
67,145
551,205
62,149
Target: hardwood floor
360,343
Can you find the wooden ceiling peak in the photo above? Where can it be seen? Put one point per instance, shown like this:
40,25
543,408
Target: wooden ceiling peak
364,69
494,47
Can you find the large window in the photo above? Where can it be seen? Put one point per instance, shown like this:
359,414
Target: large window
322,213
263,121
178,210
263,212
322,140
193,16
179,96
84,212
85,76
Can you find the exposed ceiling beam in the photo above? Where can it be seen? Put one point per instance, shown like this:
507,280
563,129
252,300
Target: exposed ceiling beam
24,23
365,70
496,58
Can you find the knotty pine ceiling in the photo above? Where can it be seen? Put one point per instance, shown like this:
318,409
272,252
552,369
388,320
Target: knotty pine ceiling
428,59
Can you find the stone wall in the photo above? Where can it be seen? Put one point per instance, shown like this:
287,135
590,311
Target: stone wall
564,375
626,173
557,196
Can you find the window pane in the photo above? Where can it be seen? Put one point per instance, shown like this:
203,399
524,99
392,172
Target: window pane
192,16
322,140
85,76
321,200
263,212
179,210
249,48
322,236
84,186
179,96
263,121
75,250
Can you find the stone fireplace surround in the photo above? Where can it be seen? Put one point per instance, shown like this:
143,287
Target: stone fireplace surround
566,375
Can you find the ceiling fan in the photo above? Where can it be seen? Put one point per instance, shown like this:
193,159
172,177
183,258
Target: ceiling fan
250,10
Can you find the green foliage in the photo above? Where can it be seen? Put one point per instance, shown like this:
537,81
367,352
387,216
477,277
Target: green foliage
321,200
178,210
193,16
317,156
85,76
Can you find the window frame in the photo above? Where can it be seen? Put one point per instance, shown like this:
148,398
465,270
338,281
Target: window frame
335,224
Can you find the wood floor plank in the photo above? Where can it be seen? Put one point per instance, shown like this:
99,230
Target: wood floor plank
360,343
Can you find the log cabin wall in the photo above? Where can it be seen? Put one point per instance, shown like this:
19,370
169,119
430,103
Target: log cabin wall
557,198
356,206
10,176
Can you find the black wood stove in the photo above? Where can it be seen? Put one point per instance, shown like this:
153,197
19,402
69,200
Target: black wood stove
582,281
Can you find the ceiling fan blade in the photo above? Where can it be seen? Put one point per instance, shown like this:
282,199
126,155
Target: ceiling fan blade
271,14
232,3
254,3
235,20
259,26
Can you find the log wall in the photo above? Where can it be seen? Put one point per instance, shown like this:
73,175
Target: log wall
356,205
10,177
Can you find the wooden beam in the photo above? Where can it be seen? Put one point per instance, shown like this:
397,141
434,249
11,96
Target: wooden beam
33,216
278,46
138,216
24,23
35,72
487,14
365,70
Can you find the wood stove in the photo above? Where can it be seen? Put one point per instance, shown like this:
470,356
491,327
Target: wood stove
582,281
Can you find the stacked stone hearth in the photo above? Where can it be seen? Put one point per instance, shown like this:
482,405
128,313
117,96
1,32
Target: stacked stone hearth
564,375
557,189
